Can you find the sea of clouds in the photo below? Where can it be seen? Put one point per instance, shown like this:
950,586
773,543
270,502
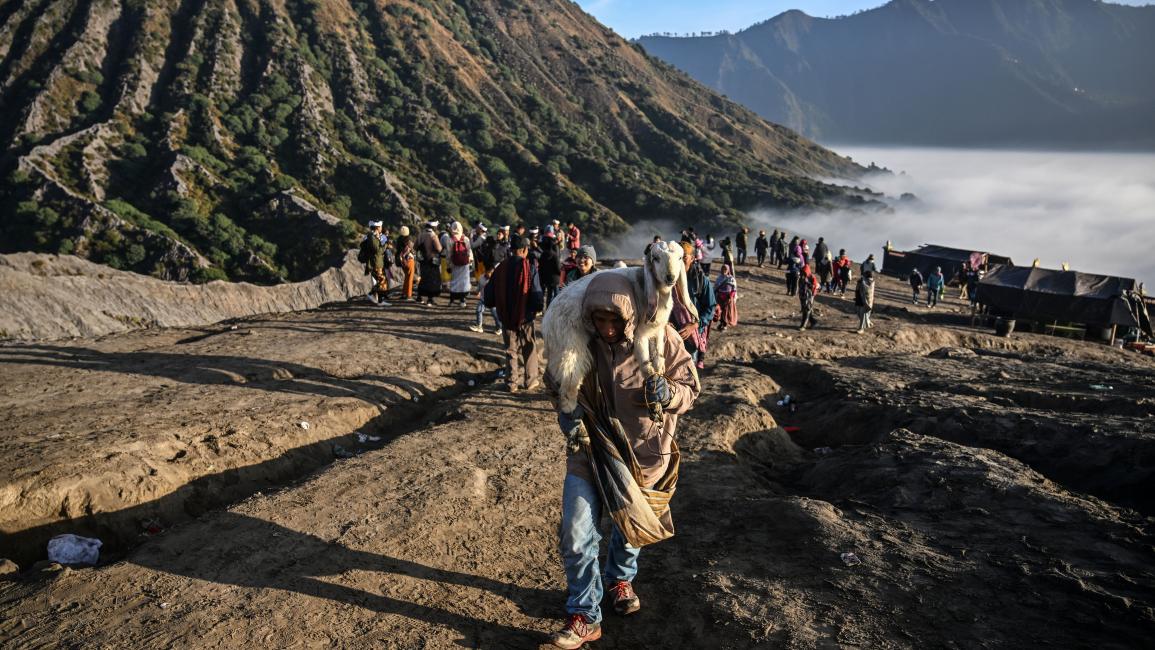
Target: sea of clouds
1095,211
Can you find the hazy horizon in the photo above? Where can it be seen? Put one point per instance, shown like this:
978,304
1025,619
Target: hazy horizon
1093,210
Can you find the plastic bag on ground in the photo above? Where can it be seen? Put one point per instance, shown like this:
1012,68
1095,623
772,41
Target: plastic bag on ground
74,549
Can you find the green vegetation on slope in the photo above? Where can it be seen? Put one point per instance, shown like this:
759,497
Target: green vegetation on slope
246,139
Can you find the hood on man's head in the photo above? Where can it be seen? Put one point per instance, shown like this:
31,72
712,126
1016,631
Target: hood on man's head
612,292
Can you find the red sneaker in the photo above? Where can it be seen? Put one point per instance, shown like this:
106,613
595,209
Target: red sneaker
577,631
625,600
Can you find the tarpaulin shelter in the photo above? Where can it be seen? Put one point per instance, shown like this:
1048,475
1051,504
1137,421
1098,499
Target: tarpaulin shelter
1038,294
927,257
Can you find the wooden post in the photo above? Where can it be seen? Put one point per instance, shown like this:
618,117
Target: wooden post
1113,328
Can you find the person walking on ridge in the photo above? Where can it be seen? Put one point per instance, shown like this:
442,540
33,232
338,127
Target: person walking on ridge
761,245
864,300
935,285
807,289
429,250
842,272
515,291
614,454
916,283
372,253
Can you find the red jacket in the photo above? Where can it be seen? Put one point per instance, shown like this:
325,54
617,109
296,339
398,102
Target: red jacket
574,238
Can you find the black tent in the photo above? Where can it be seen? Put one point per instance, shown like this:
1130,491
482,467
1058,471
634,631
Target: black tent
927,257
1049,295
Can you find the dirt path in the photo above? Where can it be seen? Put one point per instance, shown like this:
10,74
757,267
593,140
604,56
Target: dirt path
444,535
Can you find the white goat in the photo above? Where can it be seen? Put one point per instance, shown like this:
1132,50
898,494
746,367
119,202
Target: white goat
567,339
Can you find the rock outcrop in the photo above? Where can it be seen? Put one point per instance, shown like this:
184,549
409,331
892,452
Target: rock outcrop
59,296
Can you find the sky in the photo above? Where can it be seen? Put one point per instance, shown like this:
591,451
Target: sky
633,18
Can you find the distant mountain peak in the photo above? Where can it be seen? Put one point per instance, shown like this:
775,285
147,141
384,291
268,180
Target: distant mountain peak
1068,73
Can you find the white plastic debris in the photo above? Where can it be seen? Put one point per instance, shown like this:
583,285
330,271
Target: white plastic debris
374,438
304,425
850,559
74,549
472,383
362,438
822,451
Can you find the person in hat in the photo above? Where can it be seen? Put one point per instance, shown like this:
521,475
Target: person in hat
573,236
808,286
476,241
534,245
761,246
740,242
372,254
549,265
842,272
407,260
429,255
585,262
916,283
935,284
501,246
695,333
623,394
560,232
726,295
515,290
460,258
864,300
646,250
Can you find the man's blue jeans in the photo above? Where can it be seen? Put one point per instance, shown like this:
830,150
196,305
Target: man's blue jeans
581,508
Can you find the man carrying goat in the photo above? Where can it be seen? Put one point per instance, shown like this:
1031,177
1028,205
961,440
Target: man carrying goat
619,459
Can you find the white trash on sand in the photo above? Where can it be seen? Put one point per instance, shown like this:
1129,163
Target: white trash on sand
74,549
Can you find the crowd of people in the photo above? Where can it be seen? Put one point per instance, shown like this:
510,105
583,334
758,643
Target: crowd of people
445,260
515,272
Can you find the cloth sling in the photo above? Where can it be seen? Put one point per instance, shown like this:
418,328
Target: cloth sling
641,514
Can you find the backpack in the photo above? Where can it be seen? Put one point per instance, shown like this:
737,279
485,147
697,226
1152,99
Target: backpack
460,254
365,254
389,258
485,253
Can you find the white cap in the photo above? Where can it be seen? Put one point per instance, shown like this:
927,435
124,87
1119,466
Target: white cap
376,224
505,228
482,227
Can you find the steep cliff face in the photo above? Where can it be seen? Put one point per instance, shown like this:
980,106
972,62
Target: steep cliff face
201,139
944,72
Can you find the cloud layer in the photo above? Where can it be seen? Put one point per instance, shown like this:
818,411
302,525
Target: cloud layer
1093,210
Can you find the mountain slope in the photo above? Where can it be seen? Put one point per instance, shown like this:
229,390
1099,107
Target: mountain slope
1005,72
248,138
